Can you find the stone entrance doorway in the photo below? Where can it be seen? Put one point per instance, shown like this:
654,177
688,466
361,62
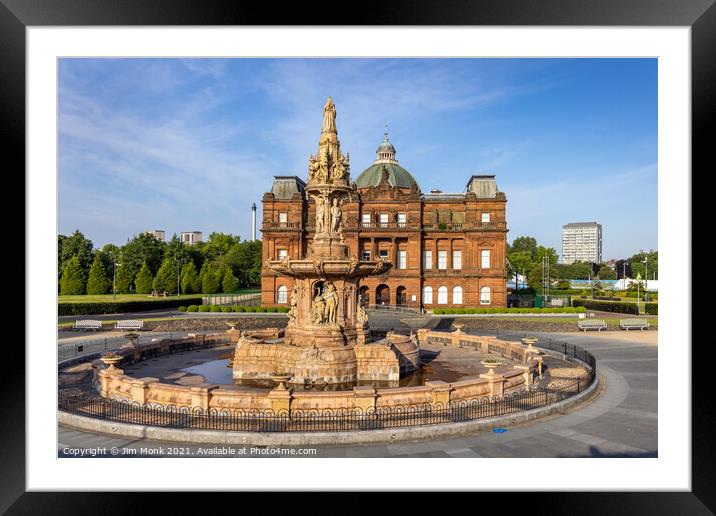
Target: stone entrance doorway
401,298
382,295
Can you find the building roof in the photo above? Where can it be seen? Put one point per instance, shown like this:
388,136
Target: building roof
483,186
385,158
397,176
580,224
284,187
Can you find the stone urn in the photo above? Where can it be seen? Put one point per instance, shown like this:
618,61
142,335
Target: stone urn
491,365
232,326
281,379
458,327
111,362
530,341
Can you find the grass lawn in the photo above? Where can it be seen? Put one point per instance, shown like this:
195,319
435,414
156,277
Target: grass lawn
109,298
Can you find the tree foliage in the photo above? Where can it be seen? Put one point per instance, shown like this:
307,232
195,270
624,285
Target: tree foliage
166,278
98,281
190,282
210,280
144,279
74,278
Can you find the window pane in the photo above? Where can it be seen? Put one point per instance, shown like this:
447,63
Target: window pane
442,259
457,295
283,294
383,220
485,259
282,253
428,259
485,217
402,259
283,217
457,259
485,296
428,295
442,296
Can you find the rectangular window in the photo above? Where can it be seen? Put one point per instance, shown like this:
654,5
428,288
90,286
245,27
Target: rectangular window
442,259
402,220
485,259
283,218
282,253
485,217
402,259
384,220
365,254
365,219
427,259
457,259
383,253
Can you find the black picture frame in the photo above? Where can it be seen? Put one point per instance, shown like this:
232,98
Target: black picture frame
700,15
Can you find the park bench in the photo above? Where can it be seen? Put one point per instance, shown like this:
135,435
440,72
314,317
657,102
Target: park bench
87,324
129,324
592,324
630,324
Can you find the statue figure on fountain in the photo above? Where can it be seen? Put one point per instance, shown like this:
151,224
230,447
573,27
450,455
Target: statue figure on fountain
329,117
294,305
336,218
361,314
331,304
318,309
320,215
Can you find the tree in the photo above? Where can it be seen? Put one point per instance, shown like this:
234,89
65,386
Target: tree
534,277
244,258
143,281
228,281
638,266
523,244
166,278
75,245
606,273
218,245
123,280
210,281
98,281
73,279
190,282
140,249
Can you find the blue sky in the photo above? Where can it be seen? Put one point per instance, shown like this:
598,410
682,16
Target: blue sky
189,144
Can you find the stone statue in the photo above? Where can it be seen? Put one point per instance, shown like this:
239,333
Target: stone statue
331,306
313,167
318,309
329,117
294,304
320,215
336,218
361,314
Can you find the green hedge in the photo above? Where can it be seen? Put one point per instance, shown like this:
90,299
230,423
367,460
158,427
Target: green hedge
652,308
458,311
120,307
233,308
607,306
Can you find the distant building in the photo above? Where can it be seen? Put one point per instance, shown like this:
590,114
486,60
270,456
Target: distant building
159,234
190,237
582,242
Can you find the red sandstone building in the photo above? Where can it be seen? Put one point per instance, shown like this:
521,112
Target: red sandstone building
447,250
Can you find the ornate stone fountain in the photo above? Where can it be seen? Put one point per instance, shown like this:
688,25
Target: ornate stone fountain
327,337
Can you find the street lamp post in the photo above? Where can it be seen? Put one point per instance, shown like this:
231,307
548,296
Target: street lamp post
624,274
114,278
646,276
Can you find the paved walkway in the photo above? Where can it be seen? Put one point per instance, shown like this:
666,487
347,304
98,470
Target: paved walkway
622,422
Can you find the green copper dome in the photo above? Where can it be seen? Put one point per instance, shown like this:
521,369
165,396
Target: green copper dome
397,175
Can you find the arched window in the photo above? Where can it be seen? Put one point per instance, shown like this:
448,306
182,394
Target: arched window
442,295
283,294
427,295
485,296
457,296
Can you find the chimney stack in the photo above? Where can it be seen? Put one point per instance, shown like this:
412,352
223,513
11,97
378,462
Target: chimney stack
253,221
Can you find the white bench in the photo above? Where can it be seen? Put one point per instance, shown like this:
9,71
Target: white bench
592,324
87,324
630,324
129,324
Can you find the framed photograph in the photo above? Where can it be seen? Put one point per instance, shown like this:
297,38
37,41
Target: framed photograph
408,237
